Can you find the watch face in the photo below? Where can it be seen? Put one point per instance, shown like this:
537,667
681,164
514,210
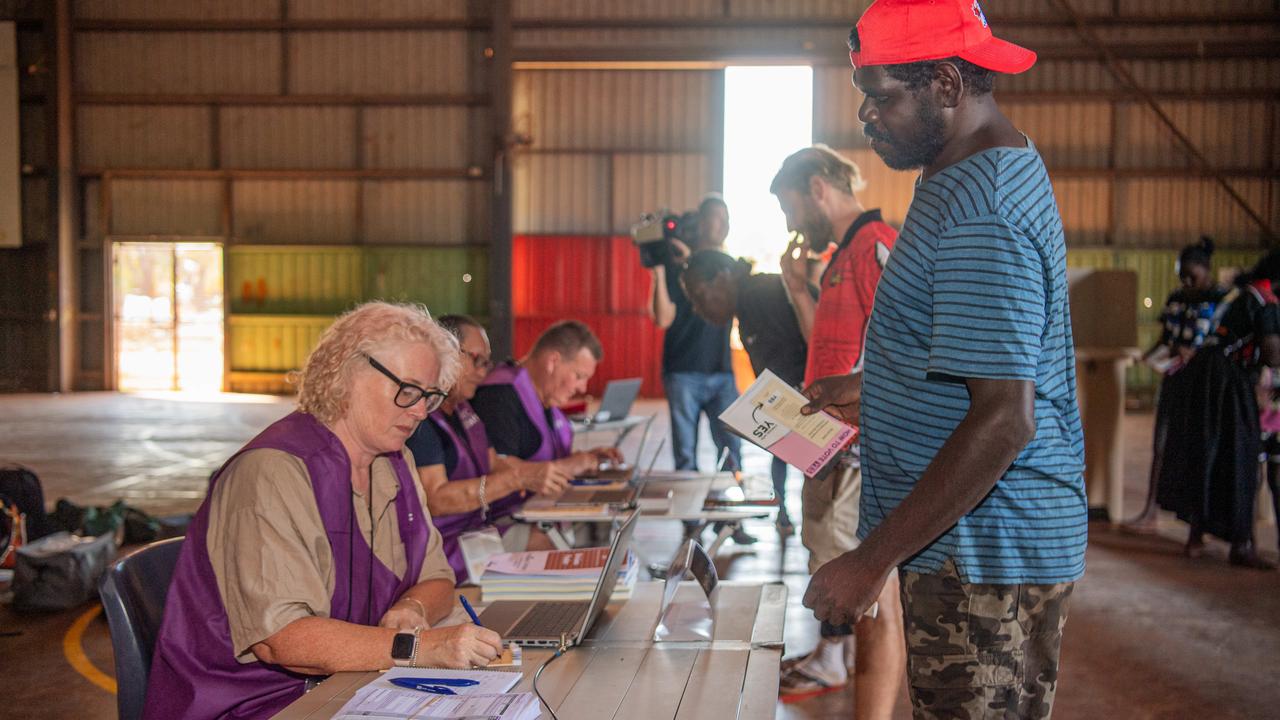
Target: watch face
402,646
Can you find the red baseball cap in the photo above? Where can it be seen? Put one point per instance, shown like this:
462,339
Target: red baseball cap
892,32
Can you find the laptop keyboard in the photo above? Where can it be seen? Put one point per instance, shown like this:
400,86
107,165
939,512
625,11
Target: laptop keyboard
549,619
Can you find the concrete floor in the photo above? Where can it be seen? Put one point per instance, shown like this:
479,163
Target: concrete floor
1151,634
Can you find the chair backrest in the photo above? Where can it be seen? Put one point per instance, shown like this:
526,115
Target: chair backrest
133,593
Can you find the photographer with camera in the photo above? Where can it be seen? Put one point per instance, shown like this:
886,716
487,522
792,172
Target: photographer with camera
697,373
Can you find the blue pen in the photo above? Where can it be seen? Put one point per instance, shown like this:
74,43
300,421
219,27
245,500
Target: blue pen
470,611
414,682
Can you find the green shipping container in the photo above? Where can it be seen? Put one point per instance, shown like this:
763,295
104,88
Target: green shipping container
292,280
446,280
273,343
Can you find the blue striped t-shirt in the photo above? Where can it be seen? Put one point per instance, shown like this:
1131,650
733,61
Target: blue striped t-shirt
976,287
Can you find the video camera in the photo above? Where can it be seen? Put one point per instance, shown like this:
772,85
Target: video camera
655,231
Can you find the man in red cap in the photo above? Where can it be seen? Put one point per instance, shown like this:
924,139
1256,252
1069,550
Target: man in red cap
972,450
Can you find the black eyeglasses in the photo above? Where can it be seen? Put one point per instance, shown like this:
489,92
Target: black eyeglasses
409,394
479,361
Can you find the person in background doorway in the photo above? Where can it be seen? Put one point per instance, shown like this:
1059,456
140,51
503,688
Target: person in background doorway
697,370
468,487
722,288
1209,473
817,190
1189,316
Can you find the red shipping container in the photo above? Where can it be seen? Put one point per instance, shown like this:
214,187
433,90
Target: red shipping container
560,275
596,279
629,284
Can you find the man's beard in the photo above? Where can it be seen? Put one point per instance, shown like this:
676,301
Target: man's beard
818,233
918,152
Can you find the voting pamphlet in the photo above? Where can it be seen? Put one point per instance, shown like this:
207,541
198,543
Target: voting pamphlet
768,414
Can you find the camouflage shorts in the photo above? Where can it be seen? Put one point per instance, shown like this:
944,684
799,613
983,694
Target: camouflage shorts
982,651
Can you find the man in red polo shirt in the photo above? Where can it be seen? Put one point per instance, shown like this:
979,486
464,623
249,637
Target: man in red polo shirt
816,188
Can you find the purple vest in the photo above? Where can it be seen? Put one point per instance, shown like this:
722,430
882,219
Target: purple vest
473,461
557,441
194,672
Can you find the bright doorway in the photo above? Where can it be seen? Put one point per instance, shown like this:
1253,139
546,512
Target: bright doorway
768,114
168,315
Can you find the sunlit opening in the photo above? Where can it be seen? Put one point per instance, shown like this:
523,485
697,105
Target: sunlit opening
168,316
768,114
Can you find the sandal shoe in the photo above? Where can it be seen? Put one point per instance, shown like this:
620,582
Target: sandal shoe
798,684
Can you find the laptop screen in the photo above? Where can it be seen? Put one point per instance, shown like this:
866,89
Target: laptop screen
619,396
609,576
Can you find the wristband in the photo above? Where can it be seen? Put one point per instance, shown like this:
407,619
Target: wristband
484,506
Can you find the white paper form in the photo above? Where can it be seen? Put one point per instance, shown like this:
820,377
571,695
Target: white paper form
374,703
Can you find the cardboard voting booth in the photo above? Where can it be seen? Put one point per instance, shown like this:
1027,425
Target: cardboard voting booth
1104,325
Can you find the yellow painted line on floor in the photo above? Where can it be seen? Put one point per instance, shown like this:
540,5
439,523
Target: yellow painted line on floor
75,653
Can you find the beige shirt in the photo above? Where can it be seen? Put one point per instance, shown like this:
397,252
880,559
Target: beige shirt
269,550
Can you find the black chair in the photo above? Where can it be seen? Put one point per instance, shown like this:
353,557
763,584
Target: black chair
133,593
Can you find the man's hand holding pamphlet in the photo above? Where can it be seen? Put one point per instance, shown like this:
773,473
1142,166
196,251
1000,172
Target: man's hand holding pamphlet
768,415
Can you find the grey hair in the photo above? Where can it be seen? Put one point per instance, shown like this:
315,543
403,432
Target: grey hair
324,380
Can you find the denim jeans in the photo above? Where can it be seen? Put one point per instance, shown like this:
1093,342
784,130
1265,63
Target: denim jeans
688,395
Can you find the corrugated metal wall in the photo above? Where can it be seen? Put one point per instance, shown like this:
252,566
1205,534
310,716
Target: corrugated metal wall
604,147
608,145
1120,177
335,163
26,272
165,207
1121,180
271,124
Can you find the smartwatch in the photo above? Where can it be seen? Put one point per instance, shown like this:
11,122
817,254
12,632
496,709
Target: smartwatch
404,649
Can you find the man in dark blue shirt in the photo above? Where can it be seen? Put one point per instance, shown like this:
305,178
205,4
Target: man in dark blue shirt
697,373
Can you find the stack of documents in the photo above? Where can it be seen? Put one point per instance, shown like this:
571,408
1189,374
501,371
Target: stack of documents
553,575
545,508
471,694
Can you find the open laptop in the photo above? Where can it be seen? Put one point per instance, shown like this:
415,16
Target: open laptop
542,623
619,396
613,486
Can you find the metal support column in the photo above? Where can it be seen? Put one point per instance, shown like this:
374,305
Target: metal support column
501,322
63,353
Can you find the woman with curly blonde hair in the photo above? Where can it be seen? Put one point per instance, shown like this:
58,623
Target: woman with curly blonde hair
314,551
